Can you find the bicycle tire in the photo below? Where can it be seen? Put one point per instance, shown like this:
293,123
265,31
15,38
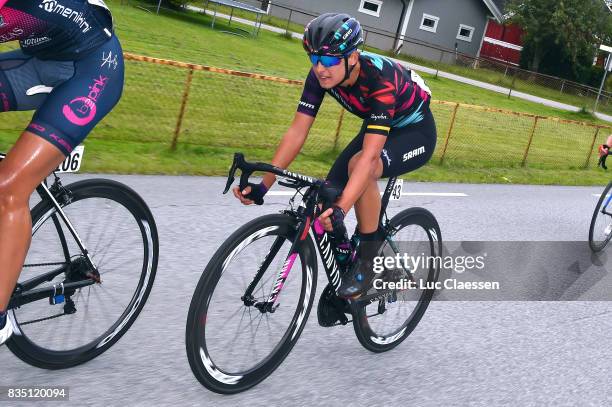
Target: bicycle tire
374,341
203,366
597,246
83,192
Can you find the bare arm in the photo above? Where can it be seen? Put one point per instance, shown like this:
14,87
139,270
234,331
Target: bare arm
290,144
289,147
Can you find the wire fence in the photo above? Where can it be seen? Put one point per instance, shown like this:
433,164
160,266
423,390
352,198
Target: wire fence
174,103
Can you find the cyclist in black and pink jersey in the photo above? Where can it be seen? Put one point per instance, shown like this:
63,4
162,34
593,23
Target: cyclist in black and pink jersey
69,69
398,133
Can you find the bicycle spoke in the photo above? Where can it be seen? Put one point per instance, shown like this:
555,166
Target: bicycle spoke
113,236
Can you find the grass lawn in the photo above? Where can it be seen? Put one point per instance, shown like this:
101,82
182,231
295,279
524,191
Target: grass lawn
227,113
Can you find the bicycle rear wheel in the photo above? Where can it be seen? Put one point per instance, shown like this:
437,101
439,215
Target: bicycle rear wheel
120,234
385,321
231,343
600,231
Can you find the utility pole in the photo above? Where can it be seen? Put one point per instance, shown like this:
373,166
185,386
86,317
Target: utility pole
607,68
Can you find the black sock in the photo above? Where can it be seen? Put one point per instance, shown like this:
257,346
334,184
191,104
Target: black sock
379,235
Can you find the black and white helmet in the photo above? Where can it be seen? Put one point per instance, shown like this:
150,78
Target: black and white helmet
332,34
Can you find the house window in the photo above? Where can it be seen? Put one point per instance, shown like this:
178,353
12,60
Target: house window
371,7
465,33
429,23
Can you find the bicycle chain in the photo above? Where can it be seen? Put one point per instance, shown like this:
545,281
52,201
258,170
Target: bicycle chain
43,264
42,319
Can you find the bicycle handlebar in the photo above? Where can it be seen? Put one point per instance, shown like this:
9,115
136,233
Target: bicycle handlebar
247,169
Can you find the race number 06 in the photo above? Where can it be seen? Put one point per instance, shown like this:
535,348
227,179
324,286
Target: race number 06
72,163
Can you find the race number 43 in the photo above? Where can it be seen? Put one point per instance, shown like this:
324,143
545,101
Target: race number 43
72,163
396,192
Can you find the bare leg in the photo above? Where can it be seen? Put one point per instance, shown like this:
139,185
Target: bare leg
29,162
367,207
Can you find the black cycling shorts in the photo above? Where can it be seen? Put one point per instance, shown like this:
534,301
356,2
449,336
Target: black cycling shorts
83,91
406,149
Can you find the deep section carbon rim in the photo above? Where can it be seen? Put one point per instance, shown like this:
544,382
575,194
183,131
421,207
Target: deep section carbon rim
387,321
121,237
231,344
600,232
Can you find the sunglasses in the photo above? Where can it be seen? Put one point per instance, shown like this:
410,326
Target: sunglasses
325,60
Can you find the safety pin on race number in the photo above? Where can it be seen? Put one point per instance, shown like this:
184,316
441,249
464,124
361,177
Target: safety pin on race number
72,163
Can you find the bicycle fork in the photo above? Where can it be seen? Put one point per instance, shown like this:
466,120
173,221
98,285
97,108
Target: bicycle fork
270,304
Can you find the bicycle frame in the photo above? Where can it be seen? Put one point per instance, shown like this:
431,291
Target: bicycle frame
307,215
26,291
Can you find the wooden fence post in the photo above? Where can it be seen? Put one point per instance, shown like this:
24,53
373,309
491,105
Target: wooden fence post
533,129
586,163
450,130
338,130
512,85
179,122
288,22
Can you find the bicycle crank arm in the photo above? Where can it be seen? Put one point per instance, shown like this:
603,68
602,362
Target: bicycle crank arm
68,289
387,295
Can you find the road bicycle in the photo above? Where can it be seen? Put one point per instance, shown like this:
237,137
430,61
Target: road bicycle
88,272
255,295
600,231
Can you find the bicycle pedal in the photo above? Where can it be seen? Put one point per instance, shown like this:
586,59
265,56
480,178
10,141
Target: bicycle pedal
331,309
56,299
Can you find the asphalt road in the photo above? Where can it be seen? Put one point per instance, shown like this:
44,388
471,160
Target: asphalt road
462,353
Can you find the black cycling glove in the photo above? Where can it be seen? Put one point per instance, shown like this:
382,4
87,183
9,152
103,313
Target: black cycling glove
338,226
258,191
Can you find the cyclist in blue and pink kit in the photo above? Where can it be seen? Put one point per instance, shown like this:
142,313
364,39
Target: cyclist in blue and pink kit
69,69
398,134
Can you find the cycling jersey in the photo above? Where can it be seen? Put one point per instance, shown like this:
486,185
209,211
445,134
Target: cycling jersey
56,29
386,95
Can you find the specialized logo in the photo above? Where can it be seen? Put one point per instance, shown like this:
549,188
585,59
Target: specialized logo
414,153
82,110
110,60
53,6
307,105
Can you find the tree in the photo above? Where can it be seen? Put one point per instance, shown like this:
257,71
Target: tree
561,30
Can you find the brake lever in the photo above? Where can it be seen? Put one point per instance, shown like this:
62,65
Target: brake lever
245,172
231,174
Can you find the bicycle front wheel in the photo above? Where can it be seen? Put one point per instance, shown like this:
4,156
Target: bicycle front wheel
119,231
233,340
600,231
385,321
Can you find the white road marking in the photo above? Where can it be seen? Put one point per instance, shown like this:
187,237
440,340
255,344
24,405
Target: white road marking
446,194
